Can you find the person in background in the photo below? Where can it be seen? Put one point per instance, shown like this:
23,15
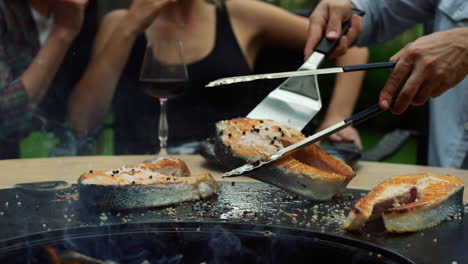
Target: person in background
35,36
219,40
434,66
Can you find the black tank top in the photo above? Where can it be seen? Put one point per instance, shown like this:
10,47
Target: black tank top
191,116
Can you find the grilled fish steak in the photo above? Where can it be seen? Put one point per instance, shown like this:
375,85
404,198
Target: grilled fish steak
166,182
409,203
310,172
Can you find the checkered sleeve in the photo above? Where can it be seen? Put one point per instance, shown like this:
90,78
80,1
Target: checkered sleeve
15,107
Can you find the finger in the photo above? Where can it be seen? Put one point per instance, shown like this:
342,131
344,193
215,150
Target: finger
350,134
341,48
397,75
408,92
317,24
358,142
335,137
337,16
355,30
424,93
397,55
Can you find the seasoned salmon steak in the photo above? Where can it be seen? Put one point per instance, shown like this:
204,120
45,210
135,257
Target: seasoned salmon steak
165,182
309,172
409,203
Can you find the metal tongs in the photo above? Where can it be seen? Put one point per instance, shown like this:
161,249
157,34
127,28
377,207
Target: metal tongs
355,119
277,75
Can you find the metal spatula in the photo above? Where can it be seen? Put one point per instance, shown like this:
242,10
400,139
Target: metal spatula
297,100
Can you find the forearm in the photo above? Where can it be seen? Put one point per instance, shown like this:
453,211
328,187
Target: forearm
347,85
40,73
385,19
92,96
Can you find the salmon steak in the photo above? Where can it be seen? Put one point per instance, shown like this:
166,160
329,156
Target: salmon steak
310,172
409,203
165,182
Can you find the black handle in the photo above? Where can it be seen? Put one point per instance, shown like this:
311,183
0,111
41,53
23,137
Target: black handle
369,66
364,115
327,46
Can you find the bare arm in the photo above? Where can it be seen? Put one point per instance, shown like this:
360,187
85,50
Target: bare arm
92,96
345,95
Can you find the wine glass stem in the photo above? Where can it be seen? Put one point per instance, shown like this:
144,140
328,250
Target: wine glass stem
163,127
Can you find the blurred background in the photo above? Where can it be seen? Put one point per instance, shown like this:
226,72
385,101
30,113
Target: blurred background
39,144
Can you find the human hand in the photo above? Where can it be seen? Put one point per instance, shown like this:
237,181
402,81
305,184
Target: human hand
433,64
348,134
68,16
142,13
327,17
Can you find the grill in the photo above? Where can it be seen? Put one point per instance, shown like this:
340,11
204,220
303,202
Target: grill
248,222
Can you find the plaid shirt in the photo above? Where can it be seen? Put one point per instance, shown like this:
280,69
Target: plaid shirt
18,46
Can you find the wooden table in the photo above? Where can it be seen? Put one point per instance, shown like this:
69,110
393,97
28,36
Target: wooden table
69,169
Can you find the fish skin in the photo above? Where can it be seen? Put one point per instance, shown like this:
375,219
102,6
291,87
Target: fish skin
310,172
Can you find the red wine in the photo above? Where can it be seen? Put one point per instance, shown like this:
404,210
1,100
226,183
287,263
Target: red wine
164,88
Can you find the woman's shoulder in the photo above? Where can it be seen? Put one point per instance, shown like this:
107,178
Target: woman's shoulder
255,11
246,8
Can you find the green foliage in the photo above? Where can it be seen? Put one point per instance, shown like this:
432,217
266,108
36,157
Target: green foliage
37,144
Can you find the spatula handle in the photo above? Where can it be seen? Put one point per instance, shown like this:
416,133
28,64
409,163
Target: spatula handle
364,115
327,46
369,66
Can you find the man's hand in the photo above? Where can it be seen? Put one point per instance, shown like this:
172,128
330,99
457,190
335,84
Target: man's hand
68,16
327,18
433,64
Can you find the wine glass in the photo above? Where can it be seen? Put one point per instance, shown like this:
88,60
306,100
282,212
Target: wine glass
164,75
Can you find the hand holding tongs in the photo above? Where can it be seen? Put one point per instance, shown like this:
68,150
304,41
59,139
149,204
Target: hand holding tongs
338,69
355,119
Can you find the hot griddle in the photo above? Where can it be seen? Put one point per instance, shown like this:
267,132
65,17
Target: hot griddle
24,212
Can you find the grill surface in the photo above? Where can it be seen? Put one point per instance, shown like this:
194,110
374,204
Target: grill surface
240,202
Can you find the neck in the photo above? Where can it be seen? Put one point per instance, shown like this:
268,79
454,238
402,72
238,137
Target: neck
182,11
41,6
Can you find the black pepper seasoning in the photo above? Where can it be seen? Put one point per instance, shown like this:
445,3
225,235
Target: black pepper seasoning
243,132
230,135
133,182
151,177
90,171
272,142
279,129
261,121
